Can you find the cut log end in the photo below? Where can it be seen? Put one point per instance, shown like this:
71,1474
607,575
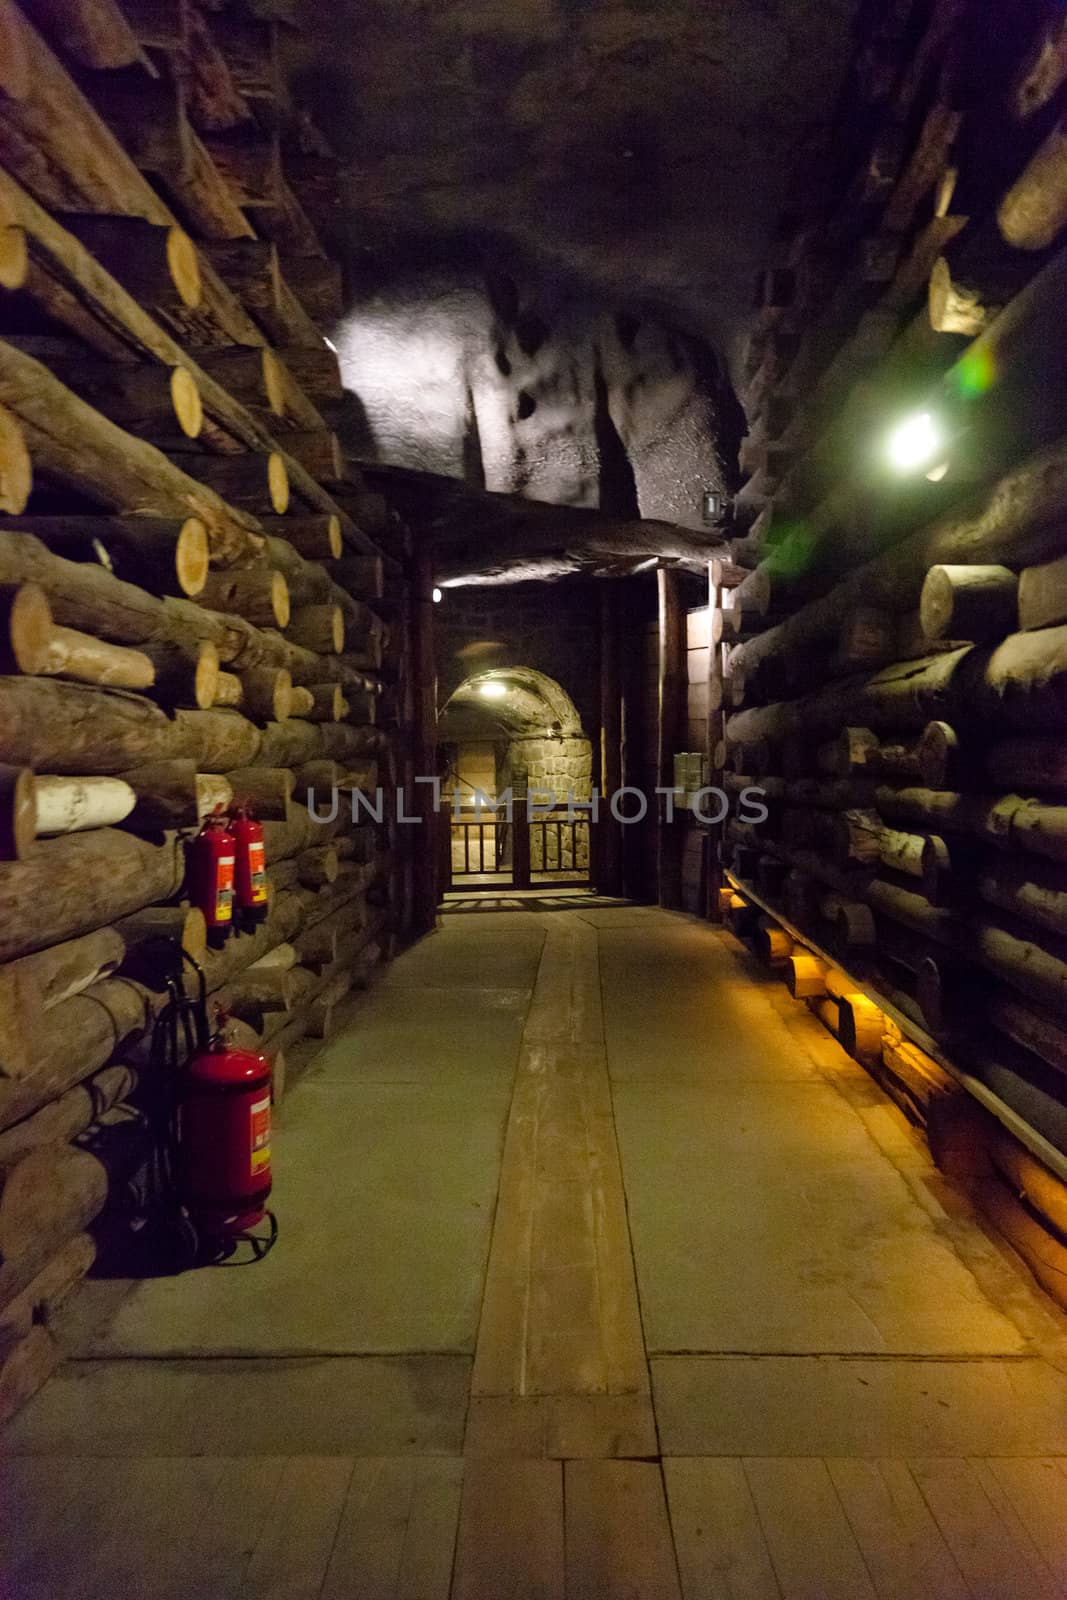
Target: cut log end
16,471
280,599
184,265
191,556
953,307
14,257
27,628
18,812
274,383
185,398
278,484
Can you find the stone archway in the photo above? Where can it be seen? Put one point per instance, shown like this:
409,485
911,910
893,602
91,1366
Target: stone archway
515,731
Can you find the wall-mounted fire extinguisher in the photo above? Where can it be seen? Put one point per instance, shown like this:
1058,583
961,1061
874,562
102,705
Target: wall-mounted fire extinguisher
250,871
224,1130
210,861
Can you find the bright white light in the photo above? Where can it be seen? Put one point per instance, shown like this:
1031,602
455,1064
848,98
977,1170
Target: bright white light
329,344
492,689
437,597
915,443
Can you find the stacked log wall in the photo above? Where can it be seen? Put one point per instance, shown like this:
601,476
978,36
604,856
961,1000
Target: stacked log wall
891,663
200,603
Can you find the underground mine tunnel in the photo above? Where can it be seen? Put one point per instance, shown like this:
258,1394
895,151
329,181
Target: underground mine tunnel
533,800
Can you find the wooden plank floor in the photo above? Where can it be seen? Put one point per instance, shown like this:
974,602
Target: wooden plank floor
579,1478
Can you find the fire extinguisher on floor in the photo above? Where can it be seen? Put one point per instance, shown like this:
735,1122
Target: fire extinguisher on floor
209,1175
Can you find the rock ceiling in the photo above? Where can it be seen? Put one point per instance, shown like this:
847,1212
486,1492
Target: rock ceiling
642,144
552,215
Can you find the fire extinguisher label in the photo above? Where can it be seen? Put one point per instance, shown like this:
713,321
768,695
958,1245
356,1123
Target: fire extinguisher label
259,1115
257,869
224,890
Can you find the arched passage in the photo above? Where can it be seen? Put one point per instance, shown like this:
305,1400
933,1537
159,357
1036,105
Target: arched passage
514,731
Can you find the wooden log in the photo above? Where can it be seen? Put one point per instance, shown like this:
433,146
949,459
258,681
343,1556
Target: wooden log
1043,594
150,400
1040,1249
167,555
1033,213
45,1199
266,693
64,1119
318,627
154,935
54,140
774,946
72,729
321,1009
105,732
319,452
76,883
258,593
217,740
155,262
227,690
251,375
975,603
317,538
202,195
1030,1179
101,1018
252,269
252,482
1028,764
961,303
36,983
317,866
69,654
80,294
81,450
35,1306
172,794
16,473
827,1012
71,805
326,703
1019,962
1030,890
213,100
257,991
1014,523
861,1025
266,790
95,33
18,812
1010,821
805,975
1032,1029
862,837
361,576
1019,684
25,627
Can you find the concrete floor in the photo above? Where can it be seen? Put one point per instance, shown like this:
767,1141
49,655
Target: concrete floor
603,1273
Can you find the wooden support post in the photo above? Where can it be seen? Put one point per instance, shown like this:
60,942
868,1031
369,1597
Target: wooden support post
423,745
672,710
714,738
608,830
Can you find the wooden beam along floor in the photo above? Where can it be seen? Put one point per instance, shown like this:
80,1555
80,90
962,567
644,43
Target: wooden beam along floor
603,1273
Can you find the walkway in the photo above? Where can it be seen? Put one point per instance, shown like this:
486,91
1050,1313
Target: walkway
604,1274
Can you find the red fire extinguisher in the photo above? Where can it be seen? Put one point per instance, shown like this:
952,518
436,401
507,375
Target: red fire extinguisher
223,1128
250,872
210,858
